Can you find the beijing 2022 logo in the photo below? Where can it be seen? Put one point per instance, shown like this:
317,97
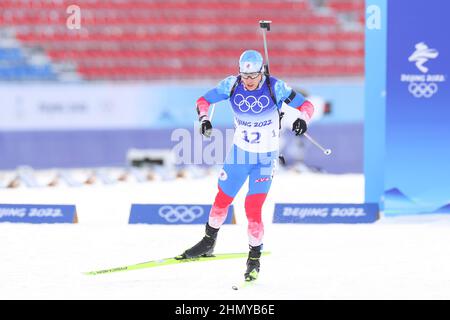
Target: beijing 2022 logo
422,85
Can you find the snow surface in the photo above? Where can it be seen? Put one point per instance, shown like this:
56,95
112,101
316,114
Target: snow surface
395,258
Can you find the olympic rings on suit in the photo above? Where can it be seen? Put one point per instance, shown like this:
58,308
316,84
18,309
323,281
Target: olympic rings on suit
251,103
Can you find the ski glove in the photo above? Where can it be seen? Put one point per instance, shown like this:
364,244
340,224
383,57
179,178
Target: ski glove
205,127
299,127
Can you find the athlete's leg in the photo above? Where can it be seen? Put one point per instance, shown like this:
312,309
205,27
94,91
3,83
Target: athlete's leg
231,178
260,181
230,181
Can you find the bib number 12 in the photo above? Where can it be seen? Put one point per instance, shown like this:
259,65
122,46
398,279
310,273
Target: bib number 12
254,137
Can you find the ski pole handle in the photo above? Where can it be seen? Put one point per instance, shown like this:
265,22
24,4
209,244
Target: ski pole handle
314,142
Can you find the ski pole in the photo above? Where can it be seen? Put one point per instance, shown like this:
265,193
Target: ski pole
212,112
314,142
265,25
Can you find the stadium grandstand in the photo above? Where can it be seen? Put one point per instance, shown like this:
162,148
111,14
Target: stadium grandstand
177,39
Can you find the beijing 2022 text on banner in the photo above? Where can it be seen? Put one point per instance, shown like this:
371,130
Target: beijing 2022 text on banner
417,165
325,213
174,214
38,213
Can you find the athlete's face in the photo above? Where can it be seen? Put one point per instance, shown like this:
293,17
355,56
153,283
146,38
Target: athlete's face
251,80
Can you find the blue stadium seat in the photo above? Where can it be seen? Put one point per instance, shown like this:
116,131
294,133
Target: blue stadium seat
14,66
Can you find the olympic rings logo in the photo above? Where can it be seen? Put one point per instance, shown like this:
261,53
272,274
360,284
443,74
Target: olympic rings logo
256,105
423,89
180,213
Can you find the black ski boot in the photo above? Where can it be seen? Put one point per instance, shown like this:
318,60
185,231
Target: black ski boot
204,248
253,264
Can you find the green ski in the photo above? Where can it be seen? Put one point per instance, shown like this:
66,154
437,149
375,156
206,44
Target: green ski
169,261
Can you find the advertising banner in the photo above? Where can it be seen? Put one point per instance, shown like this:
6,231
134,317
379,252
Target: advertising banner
417,108
174,214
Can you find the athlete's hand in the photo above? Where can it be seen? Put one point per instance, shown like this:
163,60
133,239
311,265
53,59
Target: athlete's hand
205,127
299,127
